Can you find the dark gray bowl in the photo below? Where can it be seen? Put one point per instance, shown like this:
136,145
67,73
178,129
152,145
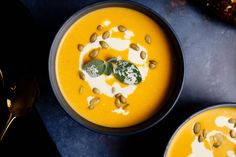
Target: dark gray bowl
195,114
177,81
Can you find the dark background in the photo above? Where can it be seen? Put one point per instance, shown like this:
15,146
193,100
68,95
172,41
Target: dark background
210,59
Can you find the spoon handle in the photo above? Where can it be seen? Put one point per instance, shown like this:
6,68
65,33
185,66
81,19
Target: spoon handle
8,123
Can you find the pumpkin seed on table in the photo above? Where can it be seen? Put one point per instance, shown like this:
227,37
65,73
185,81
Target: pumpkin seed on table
106,35
197,128
104,44
148,39
94,53
232,133
96,90
122,28
134,46
93,37
143,55
99,27
81,75
80,47
93,102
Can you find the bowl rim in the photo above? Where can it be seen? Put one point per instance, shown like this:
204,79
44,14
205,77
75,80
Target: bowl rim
174,96
215,106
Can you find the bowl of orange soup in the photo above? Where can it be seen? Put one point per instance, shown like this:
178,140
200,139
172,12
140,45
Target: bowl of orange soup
116,67
208,133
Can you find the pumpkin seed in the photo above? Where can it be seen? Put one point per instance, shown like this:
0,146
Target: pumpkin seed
152,64
94,53
80,47
125,106
96,91
134,46
81,75
232,120
143,55
197,128
104,44
81,89
148,39
106,35
200,138
122,28
99,27
117,95
204,133
232,133
93,37
93,102
113,90
122,99
117,103
217,140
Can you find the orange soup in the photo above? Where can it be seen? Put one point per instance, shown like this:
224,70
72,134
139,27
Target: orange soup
209,134
114,67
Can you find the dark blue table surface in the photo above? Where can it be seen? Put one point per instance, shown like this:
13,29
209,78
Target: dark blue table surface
210,55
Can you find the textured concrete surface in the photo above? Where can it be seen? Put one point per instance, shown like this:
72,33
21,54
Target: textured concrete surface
210,53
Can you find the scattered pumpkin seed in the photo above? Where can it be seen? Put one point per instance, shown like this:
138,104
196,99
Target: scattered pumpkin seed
232,133
232,120
93,37
113,90
197,128
96,91
99,27
81,89
94,53
125,106
122,99
143,55
117,95
148,39
200,138
80,47
81,75
103,44
217,140
152,64
134,46
122,28
93,102
204,133
117,103
106,35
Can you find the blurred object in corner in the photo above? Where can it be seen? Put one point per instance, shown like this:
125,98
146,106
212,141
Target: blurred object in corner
225,9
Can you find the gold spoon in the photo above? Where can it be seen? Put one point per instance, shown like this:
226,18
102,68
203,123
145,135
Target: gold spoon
21,99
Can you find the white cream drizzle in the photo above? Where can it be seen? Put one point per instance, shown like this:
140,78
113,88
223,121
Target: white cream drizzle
121,111
198,149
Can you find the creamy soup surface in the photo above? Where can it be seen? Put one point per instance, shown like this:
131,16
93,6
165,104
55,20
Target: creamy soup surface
132,37
209,134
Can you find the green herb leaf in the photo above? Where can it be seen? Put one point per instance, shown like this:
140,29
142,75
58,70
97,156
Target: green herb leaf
108,69
127,72
94,67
